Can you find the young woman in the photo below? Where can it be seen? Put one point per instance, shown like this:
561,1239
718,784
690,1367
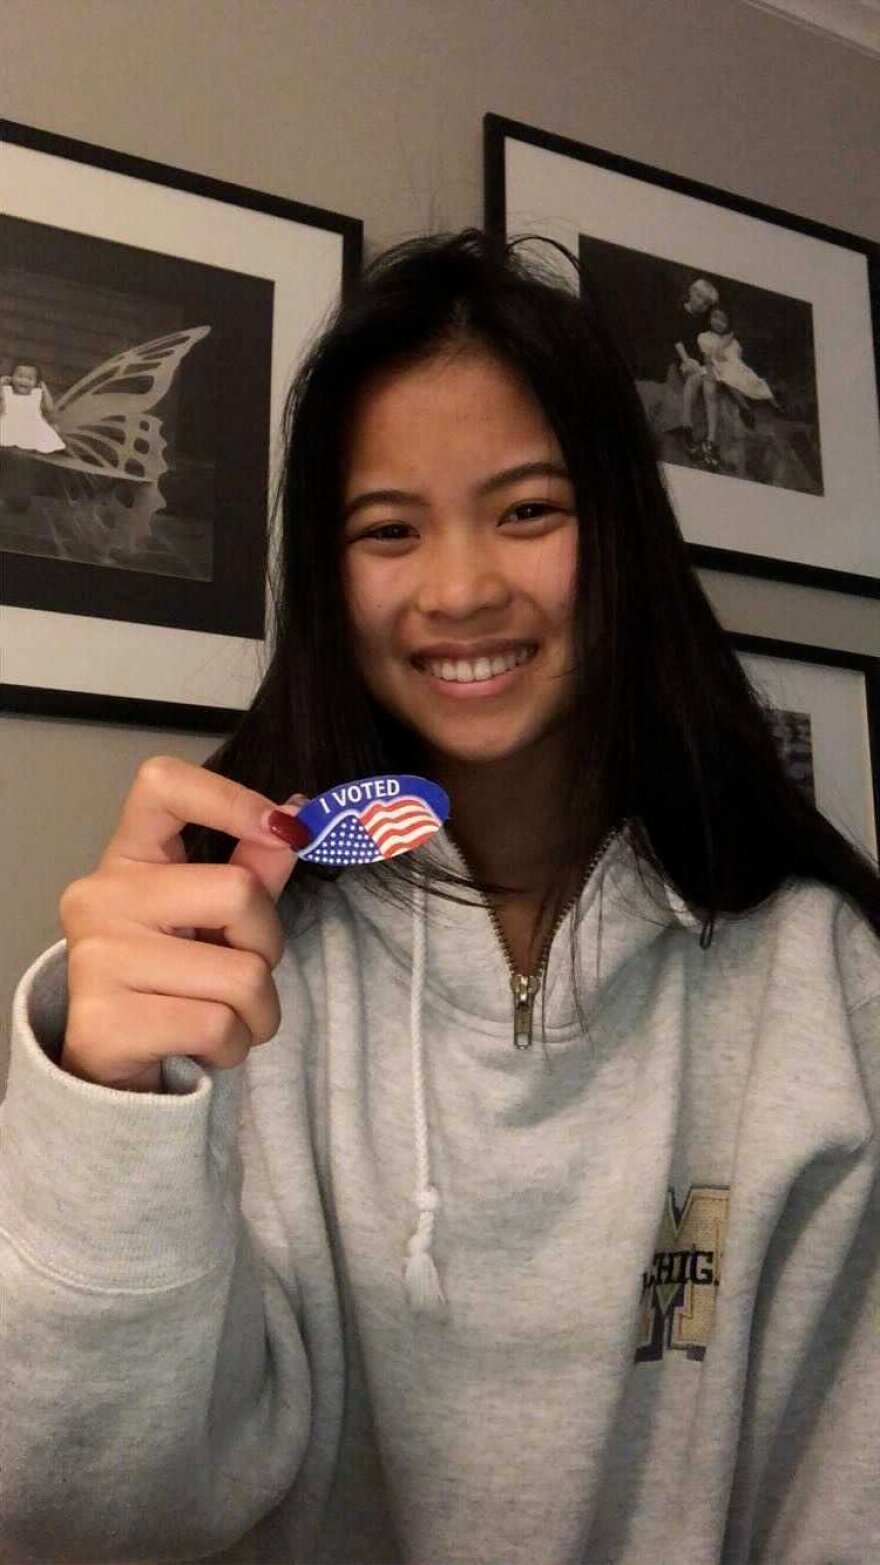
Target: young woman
540,1223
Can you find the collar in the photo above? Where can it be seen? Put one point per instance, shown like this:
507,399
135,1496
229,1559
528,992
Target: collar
622,909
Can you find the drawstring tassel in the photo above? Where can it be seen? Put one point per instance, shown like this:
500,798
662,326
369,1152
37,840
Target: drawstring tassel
420,1274
422,1283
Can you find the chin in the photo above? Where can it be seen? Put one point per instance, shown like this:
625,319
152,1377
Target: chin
473,755
473,737
478,749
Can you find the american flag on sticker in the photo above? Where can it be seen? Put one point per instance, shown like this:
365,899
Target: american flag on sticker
399,825
380,830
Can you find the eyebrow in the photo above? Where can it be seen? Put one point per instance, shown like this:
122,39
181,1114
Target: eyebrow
510,475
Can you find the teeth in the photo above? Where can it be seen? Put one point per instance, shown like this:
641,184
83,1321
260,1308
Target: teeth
464,672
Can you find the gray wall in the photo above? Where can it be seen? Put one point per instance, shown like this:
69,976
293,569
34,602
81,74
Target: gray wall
374,108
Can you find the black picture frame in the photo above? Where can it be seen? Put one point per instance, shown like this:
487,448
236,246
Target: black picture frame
842,734
187,629
537,182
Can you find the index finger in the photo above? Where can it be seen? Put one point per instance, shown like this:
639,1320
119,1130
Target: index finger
168,794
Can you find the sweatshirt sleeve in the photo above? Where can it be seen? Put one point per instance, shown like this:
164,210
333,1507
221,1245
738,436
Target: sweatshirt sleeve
155,1391
818,1497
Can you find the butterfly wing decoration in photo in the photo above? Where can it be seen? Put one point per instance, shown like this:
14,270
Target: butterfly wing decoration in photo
105,419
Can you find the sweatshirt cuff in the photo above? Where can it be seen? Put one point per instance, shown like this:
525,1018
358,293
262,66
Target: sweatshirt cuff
112,1188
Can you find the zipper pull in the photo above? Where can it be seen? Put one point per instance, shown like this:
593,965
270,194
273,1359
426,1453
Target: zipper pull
524,991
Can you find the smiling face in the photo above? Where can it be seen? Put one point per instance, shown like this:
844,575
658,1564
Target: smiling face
24,379
460,597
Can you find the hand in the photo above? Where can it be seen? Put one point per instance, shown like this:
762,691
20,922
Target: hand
167,957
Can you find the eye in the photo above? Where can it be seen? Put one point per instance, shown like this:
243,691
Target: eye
533,516
385,533
390,531
531,505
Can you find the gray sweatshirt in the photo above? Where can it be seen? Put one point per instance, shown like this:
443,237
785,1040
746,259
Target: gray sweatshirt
655,1231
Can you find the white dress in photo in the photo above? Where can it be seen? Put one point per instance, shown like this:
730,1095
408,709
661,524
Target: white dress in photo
723,357
22,424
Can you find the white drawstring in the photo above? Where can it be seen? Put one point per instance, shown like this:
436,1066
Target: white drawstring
422,1283
423,1286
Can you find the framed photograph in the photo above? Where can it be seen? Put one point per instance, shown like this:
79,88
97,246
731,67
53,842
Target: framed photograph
752,335
151,321
825,708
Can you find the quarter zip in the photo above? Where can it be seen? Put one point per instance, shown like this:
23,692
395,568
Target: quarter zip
526,986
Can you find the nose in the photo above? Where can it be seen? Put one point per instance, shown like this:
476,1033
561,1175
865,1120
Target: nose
463,577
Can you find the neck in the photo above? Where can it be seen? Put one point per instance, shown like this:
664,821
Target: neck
503,818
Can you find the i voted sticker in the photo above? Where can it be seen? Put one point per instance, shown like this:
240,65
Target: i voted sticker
371,819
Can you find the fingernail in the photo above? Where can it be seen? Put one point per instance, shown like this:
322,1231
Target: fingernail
288,828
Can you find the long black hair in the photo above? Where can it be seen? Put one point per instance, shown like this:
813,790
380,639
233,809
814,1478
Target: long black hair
670,735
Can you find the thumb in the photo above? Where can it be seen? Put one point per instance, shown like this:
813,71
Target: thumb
272,865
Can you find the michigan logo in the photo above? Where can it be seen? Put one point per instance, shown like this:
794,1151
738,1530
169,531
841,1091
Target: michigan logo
679,1289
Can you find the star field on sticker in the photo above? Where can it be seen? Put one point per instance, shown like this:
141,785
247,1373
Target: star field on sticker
347,844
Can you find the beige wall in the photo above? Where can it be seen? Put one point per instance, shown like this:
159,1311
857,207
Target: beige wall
374,108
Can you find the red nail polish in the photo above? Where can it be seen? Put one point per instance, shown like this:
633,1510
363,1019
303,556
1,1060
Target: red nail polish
289,829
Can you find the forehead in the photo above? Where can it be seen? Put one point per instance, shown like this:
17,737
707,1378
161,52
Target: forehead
462,408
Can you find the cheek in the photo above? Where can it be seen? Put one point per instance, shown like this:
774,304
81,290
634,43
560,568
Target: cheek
369,608
554,582
353,592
